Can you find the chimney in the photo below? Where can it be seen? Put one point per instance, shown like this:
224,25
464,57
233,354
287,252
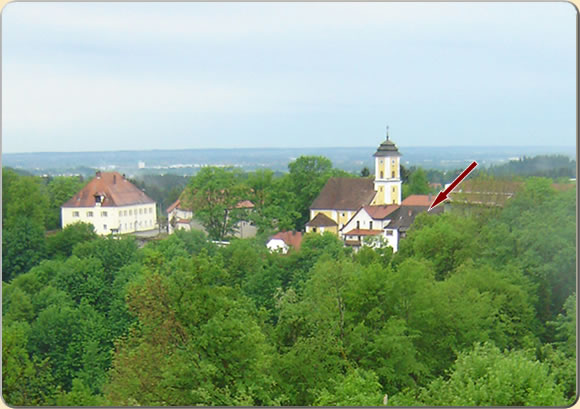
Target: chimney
114,179
98,174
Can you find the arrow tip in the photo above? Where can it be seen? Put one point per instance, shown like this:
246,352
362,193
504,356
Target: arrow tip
440,198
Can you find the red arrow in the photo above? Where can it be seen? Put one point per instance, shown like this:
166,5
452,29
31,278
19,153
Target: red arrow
443,194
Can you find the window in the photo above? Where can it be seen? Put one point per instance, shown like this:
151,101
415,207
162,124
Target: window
393,190
124,213
393,174
150,210
140,211
130,212
381,174
120,213
89,214
370,225
103,214
393,161
314,229
358,224
125,226
76,214
389,232
343,215
358,238
104,227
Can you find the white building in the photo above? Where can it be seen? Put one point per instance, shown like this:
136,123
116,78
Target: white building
111,204
283,241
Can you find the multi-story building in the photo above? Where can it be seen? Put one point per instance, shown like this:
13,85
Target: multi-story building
111,204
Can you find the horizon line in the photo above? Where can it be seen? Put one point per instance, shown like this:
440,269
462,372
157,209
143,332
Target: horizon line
285,148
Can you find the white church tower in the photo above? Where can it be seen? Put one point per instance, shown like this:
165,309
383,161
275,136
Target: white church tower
387,173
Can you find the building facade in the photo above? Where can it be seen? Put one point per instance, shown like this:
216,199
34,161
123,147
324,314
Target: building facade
111,204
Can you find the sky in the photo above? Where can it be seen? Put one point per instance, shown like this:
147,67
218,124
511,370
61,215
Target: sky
138,76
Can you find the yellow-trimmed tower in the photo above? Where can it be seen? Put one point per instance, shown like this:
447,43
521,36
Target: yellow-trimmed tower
387,173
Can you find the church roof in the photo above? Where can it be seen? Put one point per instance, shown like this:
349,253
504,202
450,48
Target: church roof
114,189
345,194
321,220
387,148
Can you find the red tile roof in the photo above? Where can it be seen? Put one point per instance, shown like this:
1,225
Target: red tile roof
291,238
381,211
244,204
173,206
363,232
418,200
115,190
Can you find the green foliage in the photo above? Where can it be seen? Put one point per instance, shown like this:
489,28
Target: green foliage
23,197
182,322
307,176
549,166
487,377
213,194
357,388
61,244
417,184
23,246
25,381
60,189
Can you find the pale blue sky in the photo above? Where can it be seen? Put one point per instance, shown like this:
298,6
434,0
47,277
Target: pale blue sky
131,76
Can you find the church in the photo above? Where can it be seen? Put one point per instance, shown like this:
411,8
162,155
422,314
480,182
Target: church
358,208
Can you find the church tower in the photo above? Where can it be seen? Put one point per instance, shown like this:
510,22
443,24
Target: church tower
387,173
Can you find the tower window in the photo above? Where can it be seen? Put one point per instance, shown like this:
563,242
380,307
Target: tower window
393,190
393,175
381,174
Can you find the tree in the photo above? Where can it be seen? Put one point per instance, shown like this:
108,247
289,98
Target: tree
502,379
23,246
196,343
60,244
307,176
365,172
418,183
357,388
213,194
23,196
61,189
26,381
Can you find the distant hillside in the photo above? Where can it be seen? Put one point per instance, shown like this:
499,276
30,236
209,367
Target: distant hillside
550,166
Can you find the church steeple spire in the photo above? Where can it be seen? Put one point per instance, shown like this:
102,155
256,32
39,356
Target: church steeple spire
387,132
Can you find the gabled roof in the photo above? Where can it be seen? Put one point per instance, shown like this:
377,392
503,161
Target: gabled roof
114,190
345,194
174,205
363,232
405,215
418,200
321,220
380,212
291,238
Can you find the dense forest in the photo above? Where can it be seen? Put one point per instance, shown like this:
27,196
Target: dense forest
476,308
